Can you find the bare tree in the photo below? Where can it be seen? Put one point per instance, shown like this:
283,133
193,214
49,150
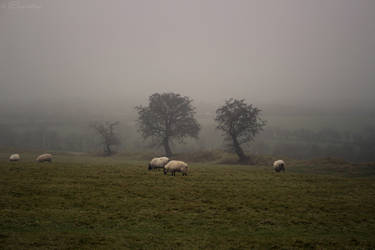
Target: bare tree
167,117
240,123
106,130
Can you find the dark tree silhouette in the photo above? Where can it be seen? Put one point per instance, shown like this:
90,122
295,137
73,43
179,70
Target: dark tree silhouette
240,123
106,130
167,117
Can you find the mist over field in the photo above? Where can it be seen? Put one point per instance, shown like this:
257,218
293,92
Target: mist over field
309,65
187,124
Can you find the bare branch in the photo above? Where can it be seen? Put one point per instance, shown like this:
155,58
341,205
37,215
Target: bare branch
167,117
106,130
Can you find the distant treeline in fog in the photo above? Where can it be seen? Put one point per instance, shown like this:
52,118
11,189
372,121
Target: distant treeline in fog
294,143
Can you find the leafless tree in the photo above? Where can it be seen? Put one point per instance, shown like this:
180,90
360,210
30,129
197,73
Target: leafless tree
240,123
168,117
106,130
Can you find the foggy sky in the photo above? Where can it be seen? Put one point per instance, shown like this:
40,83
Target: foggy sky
279,52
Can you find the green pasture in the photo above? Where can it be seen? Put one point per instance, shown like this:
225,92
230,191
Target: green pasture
89,202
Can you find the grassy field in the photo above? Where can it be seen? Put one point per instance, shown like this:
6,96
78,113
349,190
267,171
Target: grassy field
84,202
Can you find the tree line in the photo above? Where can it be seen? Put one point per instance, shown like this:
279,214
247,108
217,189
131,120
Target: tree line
170,117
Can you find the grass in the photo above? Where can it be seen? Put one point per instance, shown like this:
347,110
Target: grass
86,202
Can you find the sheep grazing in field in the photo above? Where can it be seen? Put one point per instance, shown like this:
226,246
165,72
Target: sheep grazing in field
279,165
14,157
176,166
44,158
158,163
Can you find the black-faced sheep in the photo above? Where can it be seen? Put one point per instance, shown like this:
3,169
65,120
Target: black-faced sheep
158,163
176,166
279,165
14,157
44,157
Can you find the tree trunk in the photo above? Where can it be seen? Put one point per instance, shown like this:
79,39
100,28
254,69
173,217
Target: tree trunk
108,149
238,150
167,149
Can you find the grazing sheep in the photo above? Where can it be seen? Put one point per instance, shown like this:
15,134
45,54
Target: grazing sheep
158,163
279,165
176,166
14,157
44,157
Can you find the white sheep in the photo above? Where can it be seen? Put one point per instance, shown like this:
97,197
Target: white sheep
176,166
279,165
44,157
14,157
158,163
